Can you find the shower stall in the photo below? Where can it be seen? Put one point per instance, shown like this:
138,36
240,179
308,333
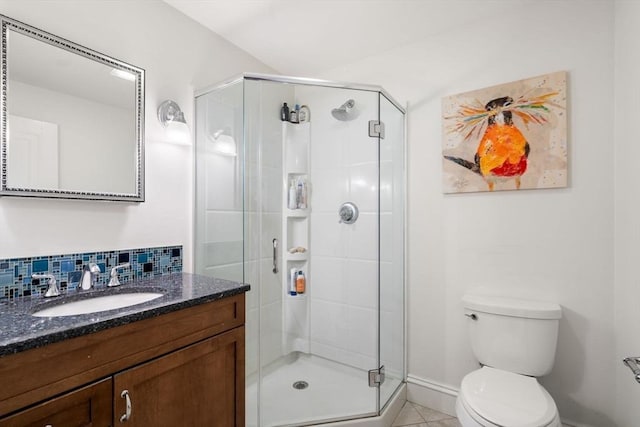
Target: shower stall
312,215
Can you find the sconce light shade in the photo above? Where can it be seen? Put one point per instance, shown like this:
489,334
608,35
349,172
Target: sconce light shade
222,143
172,118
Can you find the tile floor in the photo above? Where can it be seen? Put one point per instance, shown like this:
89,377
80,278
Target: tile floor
415,415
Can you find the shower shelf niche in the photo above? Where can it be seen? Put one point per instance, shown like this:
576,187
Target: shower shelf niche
296,147
295,228
297,257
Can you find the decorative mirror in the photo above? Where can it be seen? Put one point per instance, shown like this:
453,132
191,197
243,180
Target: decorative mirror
72,123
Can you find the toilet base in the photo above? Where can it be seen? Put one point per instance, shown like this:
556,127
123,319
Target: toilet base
466,420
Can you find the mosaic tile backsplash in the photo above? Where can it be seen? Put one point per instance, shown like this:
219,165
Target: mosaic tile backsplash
16,281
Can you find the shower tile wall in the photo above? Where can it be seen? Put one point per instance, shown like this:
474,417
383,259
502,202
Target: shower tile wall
219,192
219,187
344,269
265,180
258,136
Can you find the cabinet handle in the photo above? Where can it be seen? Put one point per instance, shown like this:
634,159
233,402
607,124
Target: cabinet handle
127,414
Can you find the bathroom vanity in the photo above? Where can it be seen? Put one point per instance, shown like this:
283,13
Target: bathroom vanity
176,360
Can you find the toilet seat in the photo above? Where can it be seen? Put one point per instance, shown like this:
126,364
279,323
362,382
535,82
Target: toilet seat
493,397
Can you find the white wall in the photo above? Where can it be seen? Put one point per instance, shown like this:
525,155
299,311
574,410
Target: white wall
547,244
178,56
627,220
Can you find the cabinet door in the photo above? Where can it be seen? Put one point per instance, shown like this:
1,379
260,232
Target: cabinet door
199,385
88,406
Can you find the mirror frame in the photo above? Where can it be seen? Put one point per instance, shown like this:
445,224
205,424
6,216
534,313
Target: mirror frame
45,37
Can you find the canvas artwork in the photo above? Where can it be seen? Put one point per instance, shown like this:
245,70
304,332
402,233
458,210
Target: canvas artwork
507,137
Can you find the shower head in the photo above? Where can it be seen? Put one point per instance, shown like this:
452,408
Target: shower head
344,112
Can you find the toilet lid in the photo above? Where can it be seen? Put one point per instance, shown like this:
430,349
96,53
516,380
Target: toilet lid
507,399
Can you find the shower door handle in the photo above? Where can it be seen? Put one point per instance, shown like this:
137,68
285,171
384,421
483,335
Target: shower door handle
275,255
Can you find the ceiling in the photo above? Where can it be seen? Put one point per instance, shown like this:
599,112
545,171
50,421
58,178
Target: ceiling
305,37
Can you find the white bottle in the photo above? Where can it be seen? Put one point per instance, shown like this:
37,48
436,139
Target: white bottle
292,282
293,196
299,193
303,194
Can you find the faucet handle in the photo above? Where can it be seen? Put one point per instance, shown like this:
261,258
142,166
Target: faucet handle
114,281
52,290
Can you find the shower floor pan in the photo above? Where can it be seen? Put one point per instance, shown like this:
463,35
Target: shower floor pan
334,391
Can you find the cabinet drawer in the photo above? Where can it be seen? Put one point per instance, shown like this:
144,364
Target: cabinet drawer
88,406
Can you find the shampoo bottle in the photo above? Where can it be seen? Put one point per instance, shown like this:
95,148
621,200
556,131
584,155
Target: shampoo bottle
293,195
284,113
293,116
300,193
303,194
292,282
304,115
300,282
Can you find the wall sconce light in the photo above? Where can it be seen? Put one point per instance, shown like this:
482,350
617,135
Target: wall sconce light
125,75
223,143
172,118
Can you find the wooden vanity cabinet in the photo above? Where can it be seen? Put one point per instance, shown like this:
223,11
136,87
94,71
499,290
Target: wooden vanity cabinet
195,386
181,368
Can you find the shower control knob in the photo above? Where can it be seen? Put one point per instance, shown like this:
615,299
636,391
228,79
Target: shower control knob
348,213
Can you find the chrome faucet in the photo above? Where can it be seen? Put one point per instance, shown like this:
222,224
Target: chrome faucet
114,281
53,290
89,274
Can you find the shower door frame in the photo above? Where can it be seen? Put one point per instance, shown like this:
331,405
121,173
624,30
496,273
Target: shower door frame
308,82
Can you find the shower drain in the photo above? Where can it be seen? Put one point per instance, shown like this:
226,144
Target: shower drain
300,385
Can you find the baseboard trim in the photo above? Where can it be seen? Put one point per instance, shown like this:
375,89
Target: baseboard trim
432,394
433,385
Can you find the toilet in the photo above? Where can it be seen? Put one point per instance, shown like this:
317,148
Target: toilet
515,342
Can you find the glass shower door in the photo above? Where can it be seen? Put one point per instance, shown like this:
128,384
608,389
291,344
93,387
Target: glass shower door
344,255
308,354
315,347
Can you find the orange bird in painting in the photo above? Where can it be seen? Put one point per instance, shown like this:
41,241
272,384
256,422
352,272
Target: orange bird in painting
503,151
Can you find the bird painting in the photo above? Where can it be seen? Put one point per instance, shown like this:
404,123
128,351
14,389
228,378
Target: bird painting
508,138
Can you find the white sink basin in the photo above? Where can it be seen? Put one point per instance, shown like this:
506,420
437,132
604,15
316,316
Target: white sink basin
96,304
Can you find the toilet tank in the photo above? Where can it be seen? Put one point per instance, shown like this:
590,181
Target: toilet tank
511,334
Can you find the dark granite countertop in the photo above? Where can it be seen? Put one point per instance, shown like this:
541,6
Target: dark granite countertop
20,331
